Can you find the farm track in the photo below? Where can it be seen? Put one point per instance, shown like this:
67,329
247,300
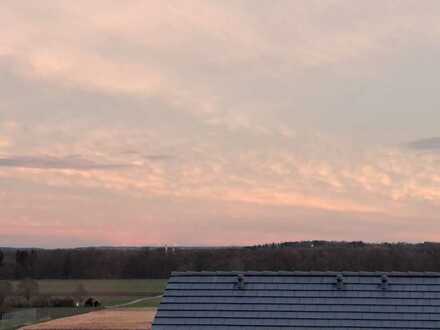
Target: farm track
106,319
133,302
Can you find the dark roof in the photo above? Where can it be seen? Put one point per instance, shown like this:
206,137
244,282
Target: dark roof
300,300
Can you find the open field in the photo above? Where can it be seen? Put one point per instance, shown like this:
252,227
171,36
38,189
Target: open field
114,319
109,292
128,288
113,294
142,303
34,315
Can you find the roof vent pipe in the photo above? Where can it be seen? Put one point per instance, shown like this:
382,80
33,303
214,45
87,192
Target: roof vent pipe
384,282
339,281
240,282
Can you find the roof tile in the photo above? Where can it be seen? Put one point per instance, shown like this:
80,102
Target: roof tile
300,300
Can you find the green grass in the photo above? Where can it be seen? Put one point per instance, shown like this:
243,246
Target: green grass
117,300
52,313
109,292
153,286
147,303
42,315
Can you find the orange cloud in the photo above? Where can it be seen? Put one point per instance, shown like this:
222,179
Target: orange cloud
4,143
209,83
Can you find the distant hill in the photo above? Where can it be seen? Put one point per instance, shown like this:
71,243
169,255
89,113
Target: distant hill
159,262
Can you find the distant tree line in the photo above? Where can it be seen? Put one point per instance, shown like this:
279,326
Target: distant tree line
160,262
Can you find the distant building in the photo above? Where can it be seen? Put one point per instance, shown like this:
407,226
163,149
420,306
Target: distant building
300,300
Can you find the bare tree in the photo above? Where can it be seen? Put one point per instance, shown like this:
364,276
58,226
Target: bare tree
5,290
80,293
28,288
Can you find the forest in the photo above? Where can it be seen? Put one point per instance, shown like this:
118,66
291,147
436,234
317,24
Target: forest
159,262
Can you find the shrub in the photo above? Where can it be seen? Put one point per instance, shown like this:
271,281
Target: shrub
62,302
39,301
80,293
5,290
28,288
92,302
16,302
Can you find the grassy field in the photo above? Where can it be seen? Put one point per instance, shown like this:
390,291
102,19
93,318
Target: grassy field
61,287
147,303
109,292
131,294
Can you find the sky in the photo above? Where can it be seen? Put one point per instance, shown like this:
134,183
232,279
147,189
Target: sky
228,122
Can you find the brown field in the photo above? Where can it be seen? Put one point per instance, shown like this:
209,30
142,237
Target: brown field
114,319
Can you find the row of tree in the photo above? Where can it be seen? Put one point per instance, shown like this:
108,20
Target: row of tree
160,262
26,293
26,288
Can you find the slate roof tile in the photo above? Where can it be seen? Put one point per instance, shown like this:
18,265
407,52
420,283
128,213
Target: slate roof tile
300,300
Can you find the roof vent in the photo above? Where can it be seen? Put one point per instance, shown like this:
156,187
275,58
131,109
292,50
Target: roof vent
384,282
240,282
339,281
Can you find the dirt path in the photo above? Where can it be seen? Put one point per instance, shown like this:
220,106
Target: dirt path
133,302
107,319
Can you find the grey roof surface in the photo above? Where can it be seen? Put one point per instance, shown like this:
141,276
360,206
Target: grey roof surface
300,300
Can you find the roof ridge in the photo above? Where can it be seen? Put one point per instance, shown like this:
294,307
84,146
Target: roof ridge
304,273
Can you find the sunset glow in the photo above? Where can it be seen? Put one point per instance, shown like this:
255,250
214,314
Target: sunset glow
218,122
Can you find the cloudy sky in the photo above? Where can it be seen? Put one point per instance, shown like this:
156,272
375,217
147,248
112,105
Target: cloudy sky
218,122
